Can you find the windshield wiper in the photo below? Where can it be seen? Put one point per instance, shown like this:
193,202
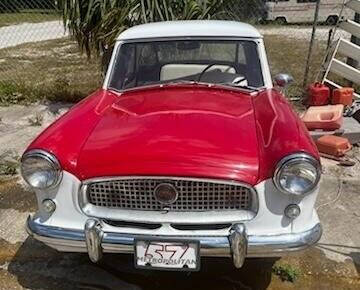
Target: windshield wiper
241,86
179,82
231,84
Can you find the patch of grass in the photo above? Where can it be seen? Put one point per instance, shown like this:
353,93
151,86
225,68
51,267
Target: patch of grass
11,93
286,272
36,121
51,70
28,17
55,70
8,167
288,55
9,162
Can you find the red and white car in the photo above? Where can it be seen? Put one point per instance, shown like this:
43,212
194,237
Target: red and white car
186,151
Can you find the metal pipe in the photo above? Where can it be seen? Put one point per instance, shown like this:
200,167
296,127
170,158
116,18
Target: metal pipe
307,67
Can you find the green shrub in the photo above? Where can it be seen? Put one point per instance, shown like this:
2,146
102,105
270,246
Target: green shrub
286,272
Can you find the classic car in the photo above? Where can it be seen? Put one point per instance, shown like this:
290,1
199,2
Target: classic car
188,150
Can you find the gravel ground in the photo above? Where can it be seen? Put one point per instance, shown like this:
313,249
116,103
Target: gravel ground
30,32
22,123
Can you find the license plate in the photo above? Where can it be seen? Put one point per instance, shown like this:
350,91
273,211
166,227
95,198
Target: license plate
167,255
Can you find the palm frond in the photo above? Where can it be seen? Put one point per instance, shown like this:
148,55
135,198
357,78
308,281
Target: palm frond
96,23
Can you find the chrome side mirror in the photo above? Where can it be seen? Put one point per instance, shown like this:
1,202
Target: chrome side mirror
282,80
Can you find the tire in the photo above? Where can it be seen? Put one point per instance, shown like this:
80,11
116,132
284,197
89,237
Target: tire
331,20
281,21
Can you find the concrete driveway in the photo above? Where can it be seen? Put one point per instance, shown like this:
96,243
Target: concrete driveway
27,264
30,32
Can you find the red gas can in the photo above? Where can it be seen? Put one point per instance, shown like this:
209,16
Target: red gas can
318,95
343,96
333,145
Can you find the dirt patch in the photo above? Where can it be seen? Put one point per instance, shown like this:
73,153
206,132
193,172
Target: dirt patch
316,272
281,61
10,281
16,18
35,264
23,124
29,250
74,271
7,250
301,32
15,196
32,265
332,168
338,209
73,76
25,76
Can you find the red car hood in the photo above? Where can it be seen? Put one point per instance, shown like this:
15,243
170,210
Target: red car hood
174,131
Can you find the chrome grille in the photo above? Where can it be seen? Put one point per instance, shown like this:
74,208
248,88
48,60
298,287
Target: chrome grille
193,195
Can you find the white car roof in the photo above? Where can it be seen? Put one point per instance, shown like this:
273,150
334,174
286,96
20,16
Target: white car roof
190,28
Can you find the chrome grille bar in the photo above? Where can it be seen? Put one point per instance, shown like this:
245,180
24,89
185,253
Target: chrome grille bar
193,194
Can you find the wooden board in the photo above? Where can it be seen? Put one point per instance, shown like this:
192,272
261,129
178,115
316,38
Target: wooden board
354,5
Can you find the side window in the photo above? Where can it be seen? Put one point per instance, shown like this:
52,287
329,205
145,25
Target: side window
124,68
253,73
241,55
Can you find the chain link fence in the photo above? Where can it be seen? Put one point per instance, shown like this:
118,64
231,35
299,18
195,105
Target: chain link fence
37,56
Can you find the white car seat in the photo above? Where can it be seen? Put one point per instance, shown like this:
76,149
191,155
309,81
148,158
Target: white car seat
174,71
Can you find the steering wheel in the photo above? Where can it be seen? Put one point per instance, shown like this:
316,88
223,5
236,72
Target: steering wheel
205,70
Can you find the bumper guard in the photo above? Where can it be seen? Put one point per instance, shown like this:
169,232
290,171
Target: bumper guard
237,244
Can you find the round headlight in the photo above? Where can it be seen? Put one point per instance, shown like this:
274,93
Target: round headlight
297,174
40,169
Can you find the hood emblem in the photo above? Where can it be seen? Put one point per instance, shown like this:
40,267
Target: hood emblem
166,193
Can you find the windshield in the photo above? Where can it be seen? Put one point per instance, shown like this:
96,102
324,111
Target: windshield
229,62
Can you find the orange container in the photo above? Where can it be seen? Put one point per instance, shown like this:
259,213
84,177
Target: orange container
333,145
327,118
342,96
318,95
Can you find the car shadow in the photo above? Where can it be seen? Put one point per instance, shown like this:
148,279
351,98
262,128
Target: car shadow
56,108
36,266
352,252
215,273
355,256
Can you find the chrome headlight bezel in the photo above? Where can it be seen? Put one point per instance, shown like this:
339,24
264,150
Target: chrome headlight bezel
51,161
297,158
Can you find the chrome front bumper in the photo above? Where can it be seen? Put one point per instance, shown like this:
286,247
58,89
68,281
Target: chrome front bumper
237,244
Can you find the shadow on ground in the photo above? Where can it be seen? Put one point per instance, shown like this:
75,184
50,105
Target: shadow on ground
37,266
352,252
14,196
355,256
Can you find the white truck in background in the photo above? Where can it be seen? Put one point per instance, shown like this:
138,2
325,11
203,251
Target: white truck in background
303,11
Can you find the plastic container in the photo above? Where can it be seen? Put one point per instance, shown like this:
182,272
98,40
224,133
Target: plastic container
327,118
333,145
318,95
343,96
